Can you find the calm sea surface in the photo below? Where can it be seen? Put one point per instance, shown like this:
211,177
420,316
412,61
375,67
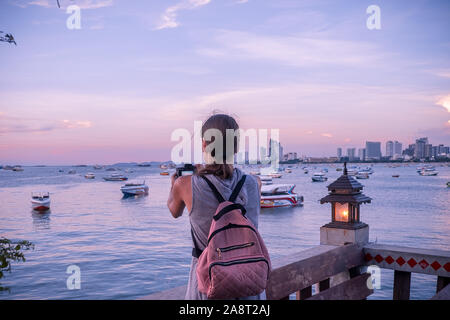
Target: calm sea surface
128,248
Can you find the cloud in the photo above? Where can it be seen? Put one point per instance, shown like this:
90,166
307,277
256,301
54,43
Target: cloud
291,50
13,124
445,102
169,17
327,135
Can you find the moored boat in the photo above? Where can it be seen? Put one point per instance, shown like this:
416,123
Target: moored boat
362,175
115,177
429,172
395,176
164,173
279,195
17,169
40,201
89,175
319,177
134,189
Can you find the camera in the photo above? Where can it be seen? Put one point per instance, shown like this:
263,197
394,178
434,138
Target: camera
185,170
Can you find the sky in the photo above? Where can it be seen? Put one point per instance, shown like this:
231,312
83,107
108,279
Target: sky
115,89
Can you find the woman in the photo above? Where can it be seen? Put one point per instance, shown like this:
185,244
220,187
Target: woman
194,193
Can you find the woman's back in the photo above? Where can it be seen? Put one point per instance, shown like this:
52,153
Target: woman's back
204,205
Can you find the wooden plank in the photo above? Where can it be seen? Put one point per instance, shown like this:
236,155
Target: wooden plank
171,294
427,261
353,289
402,284
443,294
442,282
304,269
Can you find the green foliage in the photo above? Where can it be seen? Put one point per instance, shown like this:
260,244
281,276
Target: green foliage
12,251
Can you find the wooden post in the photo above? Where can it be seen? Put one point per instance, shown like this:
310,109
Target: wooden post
402,284
442,282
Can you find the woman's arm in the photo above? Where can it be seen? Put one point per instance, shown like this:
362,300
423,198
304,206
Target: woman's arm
178,193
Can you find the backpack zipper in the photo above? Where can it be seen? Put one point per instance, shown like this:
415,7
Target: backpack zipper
238,246
240,261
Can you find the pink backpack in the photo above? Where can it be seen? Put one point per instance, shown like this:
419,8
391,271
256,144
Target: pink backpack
235,262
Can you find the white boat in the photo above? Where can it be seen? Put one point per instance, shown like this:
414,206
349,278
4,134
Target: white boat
17,168
319,177
40,201
134,189
362,175
115,177
98,167
265,180
89,175
275,175
368,170
279,195
429,172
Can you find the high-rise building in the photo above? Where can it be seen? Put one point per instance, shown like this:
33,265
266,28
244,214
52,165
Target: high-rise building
373,150
339,153
275,144
351,153
397,148
428,151
362,154
389,149
419,149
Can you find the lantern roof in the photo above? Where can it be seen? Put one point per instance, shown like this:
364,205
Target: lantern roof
347,198
351,187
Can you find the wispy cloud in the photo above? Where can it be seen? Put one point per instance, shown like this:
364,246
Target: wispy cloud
169,18
298,51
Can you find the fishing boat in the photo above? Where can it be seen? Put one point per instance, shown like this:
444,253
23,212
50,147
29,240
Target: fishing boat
134,189
362,175
279,195
429,172
40,201
89,175
164,173
319,177
115,177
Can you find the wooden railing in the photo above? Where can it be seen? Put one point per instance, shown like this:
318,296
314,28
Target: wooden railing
323,265
404,261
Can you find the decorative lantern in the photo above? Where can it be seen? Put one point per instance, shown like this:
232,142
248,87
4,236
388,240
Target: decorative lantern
345,197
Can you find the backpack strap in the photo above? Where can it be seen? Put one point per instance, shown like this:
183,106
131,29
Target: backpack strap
237,189
229,208
196,252
214,190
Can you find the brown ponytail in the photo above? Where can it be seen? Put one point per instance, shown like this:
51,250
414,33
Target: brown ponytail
221,122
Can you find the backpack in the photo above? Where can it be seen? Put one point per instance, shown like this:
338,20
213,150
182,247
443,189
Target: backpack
235,262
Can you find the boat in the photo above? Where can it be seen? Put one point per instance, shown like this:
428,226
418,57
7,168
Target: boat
288,170
163,166
362,175
17,168
89,175
429,172
395,176
255,173
305,171
134,189
115,177
368,170
319,177
98,167
40,201
275,175
72,172
279,195
448,184
338,169
8,168
265,179
164,173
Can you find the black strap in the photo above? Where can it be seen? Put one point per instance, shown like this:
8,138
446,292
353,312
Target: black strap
237,189
229,208
214,190
196,252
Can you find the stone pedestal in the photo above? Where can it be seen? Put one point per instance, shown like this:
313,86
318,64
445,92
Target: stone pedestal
340,236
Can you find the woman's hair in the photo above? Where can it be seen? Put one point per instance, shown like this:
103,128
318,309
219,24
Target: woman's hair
220,122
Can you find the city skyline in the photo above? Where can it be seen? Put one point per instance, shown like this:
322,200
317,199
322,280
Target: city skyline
114,90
